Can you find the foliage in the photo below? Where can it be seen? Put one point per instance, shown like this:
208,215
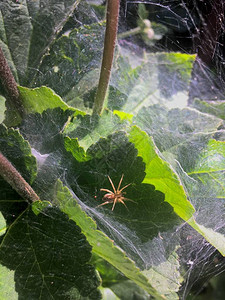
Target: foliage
172,157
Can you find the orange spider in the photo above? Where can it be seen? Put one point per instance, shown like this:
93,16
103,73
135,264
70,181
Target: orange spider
116,195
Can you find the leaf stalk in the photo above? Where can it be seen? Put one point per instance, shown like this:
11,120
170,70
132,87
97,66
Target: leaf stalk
9,83
17,182
112,17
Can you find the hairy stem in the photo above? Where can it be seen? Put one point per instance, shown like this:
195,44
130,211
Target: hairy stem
8,81
17,182
108,53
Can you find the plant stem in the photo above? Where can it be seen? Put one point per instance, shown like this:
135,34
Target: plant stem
10,85
131,32
17,182
108,53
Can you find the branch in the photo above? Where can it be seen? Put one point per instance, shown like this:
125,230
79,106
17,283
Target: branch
17,182
108,53
9,84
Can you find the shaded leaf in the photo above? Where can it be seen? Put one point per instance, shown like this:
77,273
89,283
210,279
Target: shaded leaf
52,261
30,29
17,150
215,108
43,130
101,244
70,58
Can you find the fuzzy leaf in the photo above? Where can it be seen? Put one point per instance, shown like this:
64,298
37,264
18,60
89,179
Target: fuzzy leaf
101,244
40,99
70,58
30,29
162,78
17,150
161,175
52,260
215,108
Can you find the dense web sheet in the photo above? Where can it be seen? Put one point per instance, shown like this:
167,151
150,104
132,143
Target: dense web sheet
168,85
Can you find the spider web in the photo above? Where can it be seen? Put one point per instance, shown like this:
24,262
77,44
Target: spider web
192,27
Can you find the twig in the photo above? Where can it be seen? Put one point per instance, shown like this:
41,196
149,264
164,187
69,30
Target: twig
17,182
10,85
108,53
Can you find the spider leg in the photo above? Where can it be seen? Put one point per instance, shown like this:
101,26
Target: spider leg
114,203
121,179
125,187
105,190
107,202
110,180
124,203
127,199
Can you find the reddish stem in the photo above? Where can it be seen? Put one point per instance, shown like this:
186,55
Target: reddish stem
108,53
17,182
9,84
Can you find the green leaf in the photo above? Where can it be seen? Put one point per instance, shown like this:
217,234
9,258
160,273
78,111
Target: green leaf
129,290
72,145
89,129
40,99
51,262
70,58
208,174
166,277
160,174
215,108
108,294
7,284
2,109
43,131
17,150
183,140
101,244
182,132
30,29
162,78
2,224
39,206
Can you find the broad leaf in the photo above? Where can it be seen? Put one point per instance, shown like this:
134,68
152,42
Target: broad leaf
71,57
40,99
30,29
161,175
162,78
216,108
89,129
50,257
101,244
183,139
17,150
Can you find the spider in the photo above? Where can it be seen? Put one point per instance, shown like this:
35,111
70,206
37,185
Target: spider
116,195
